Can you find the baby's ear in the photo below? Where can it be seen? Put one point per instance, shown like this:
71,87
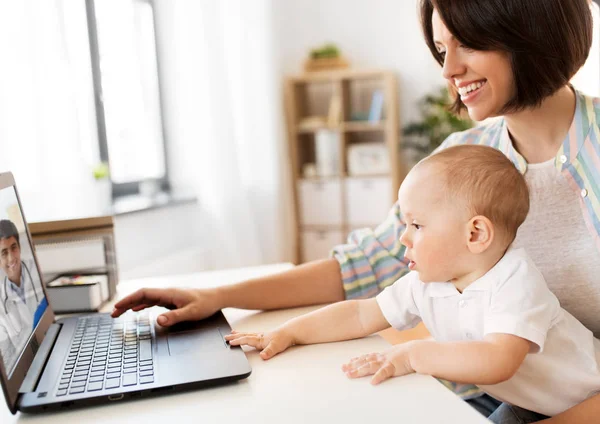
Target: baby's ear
480,234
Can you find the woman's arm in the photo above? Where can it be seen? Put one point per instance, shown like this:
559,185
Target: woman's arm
312,283
309,284
369,262
587,412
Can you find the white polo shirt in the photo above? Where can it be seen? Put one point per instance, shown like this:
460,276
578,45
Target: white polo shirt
561,369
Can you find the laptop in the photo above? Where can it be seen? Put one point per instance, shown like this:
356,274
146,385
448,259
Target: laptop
48,364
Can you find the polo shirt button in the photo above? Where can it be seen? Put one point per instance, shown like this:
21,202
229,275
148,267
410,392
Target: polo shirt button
462,303
563,159
584,193
469,336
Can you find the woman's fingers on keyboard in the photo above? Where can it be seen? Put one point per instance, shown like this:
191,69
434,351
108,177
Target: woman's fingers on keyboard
143,298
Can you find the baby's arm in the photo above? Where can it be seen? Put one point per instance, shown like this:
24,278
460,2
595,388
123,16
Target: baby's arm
346,320
491,361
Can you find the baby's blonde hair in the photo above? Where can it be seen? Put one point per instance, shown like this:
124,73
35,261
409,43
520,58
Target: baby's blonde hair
487,182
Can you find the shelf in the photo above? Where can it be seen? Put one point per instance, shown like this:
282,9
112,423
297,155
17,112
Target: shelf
311,130
318,179
339,75
358,177
358,126
363,126
327,207
322,228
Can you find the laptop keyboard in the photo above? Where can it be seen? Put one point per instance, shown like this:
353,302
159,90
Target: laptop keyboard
108,353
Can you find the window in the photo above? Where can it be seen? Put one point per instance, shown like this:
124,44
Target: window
125,71
588,78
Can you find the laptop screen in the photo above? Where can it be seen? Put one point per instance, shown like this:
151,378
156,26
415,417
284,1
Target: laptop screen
22,299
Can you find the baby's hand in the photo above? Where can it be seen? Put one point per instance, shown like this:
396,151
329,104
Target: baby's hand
391,363
270,344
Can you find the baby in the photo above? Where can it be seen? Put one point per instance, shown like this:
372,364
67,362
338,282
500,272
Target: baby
494,321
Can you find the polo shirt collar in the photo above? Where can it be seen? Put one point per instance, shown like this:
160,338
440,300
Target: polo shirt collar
448,289
483,283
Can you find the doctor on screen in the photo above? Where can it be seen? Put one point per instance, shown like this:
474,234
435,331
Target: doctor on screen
20,295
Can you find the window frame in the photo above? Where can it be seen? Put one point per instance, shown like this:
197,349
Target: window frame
129,188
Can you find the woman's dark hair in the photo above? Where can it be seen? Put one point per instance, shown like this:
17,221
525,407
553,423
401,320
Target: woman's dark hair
547,40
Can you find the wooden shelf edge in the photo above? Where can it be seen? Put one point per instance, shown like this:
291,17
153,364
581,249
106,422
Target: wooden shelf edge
357,126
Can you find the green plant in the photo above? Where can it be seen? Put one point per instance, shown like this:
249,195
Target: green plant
326,51
438,122
101,171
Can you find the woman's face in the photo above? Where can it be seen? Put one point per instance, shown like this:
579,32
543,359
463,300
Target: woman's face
483,78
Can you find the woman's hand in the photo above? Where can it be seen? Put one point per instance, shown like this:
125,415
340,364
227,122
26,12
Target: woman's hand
186,304
269,344
391,363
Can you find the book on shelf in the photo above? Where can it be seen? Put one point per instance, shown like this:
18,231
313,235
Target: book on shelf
334,113
376,110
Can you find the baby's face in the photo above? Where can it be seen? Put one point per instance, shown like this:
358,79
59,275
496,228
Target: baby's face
436,229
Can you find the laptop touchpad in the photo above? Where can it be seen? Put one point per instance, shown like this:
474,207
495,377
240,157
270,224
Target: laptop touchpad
190,342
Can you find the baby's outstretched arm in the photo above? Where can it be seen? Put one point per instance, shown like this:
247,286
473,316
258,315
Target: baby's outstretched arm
346,320
491,361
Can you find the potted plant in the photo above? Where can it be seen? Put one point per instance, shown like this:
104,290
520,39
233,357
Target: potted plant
437,123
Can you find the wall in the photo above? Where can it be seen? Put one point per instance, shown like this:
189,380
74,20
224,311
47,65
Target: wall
372,34
163,241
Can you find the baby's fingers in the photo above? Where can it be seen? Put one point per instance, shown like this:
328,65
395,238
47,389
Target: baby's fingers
251,339
360,370
386,371
273,348
359,361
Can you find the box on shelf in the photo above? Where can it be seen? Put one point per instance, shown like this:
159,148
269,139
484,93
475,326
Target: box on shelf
372,191
320,202
368,159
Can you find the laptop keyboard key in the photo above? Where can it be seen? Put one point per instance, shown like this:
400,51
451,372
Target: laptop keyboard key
146,379
112,383
61,392
78,383
145,350
95,385
129,379
75,390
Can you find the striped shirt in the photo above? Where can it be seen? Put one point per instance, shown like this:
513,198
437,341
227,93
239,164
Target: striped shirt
373,259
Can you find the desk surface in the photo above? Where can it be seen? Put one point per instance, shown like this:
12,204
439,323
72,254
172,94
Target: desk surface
304,383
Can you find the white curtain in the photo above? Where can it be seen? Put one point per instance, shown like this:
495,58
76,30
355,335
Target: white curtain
224,125
47,123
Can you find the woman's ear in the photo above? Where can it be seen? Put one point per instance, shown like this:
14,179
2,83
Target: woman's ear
480,234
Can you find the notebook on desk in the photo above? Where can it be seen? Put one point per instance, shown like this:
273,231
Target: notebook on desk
94,359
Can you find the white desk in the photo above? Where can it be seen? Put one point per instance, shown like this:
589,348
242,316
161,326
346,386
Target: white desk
304,384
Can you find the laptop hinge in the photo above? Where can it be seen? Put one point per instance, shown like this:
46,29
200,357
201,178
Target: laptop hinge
41,358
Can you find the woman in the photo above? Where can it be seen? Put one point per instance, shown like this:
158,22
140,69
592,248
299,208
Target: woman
502,58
